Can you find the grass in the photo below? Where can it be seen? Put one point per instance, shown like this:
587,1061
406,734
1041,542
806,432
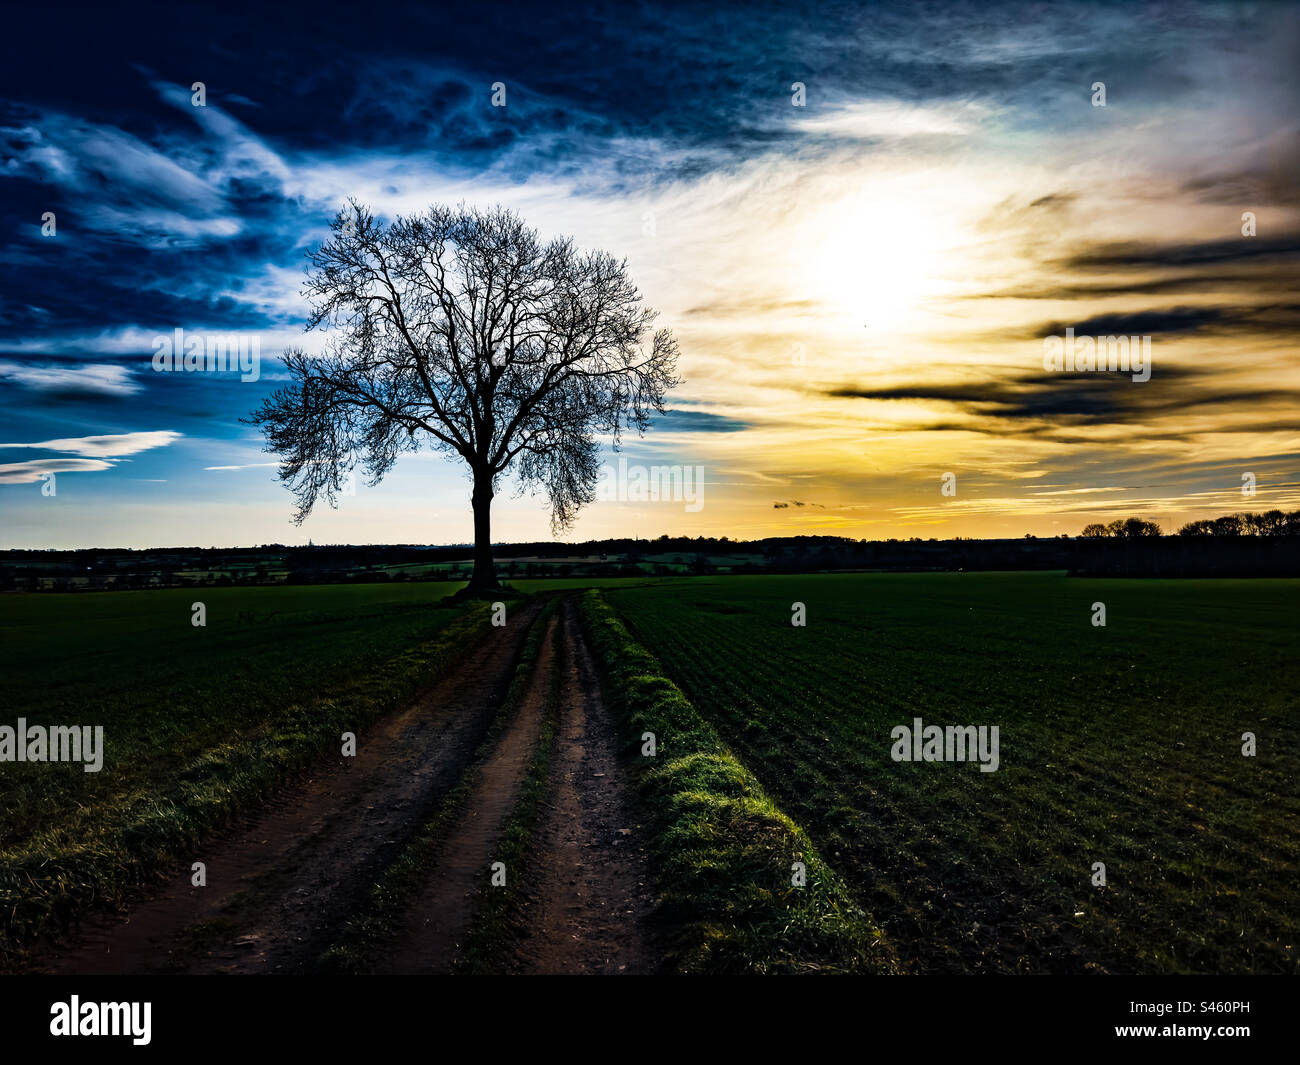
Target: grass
1119,745
723,853
199,722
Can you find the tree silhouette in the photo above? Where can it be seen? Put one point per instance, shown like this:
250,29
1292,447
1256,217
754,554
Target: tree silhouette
462,330
1121,529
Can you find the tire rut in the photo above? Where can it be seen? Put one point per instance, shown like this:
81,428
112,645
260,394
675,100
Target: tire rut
442,910
589,899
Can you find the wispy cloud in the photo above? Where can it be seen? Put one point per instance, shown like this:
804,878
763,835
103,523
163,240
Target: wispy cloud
36,469
106,379
892,119
118,445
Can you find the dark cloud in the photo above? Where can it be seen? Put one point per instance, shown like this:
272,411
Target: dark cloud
744,307
699,421
1145,256
1055,201
1051,405
1260,319
1246,281
1142,323
1268,178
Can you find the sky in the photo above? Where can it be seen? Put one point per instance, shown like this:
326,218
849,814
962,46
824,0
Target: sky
864,224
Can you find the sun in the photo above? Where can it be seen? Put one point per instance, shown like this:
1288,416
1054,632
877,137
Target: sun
878,258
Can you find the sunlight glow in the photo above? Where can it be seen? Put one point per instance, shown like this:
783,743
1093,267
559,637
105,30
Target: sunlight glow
879,258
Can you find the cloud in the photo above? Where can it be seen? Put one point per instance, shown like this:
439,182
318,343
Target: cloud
35,469
122,176
1049,406
117,445
893,119
1136,255
1142,323
105,379
1261,174
1271,317
1247,282
699,421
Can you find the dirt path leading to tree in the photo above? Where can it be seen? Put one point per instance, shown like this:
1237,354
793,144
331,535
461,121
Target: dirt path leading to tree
585,899
280,884
588,899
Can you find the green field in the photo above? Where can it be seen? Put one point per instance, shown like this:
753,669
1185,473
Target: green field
1119,745
198,721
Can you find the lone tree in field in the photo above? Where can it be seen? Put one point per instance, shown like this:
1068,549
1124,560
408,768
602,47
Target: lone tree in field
462,330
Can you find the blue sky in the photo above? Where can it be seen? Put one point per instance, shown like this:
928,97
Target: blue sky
860,282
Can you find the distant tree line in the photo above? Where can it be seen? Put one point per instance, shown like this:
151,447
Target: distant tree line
1267,523
1243,545
1122,529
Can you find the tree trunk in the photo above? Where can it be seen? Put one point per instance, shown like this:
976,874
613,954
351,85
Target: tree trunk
485,574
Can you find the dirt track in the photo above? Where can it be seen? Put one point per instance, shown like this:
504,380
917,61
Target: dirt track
441,913
283,883
590,898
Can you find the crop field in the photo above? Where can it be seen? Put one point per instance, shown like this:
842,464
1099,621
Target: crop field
1120,745
197,719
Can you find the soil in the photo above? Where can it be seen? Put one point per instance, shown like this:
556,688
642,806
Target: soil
443,908
589,909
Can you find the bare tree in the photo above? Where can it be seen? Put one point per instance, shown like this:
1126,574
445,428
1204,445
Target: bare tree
462,330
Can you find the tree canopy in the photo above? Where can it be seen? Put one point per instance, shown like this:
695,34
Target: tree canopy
463,330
